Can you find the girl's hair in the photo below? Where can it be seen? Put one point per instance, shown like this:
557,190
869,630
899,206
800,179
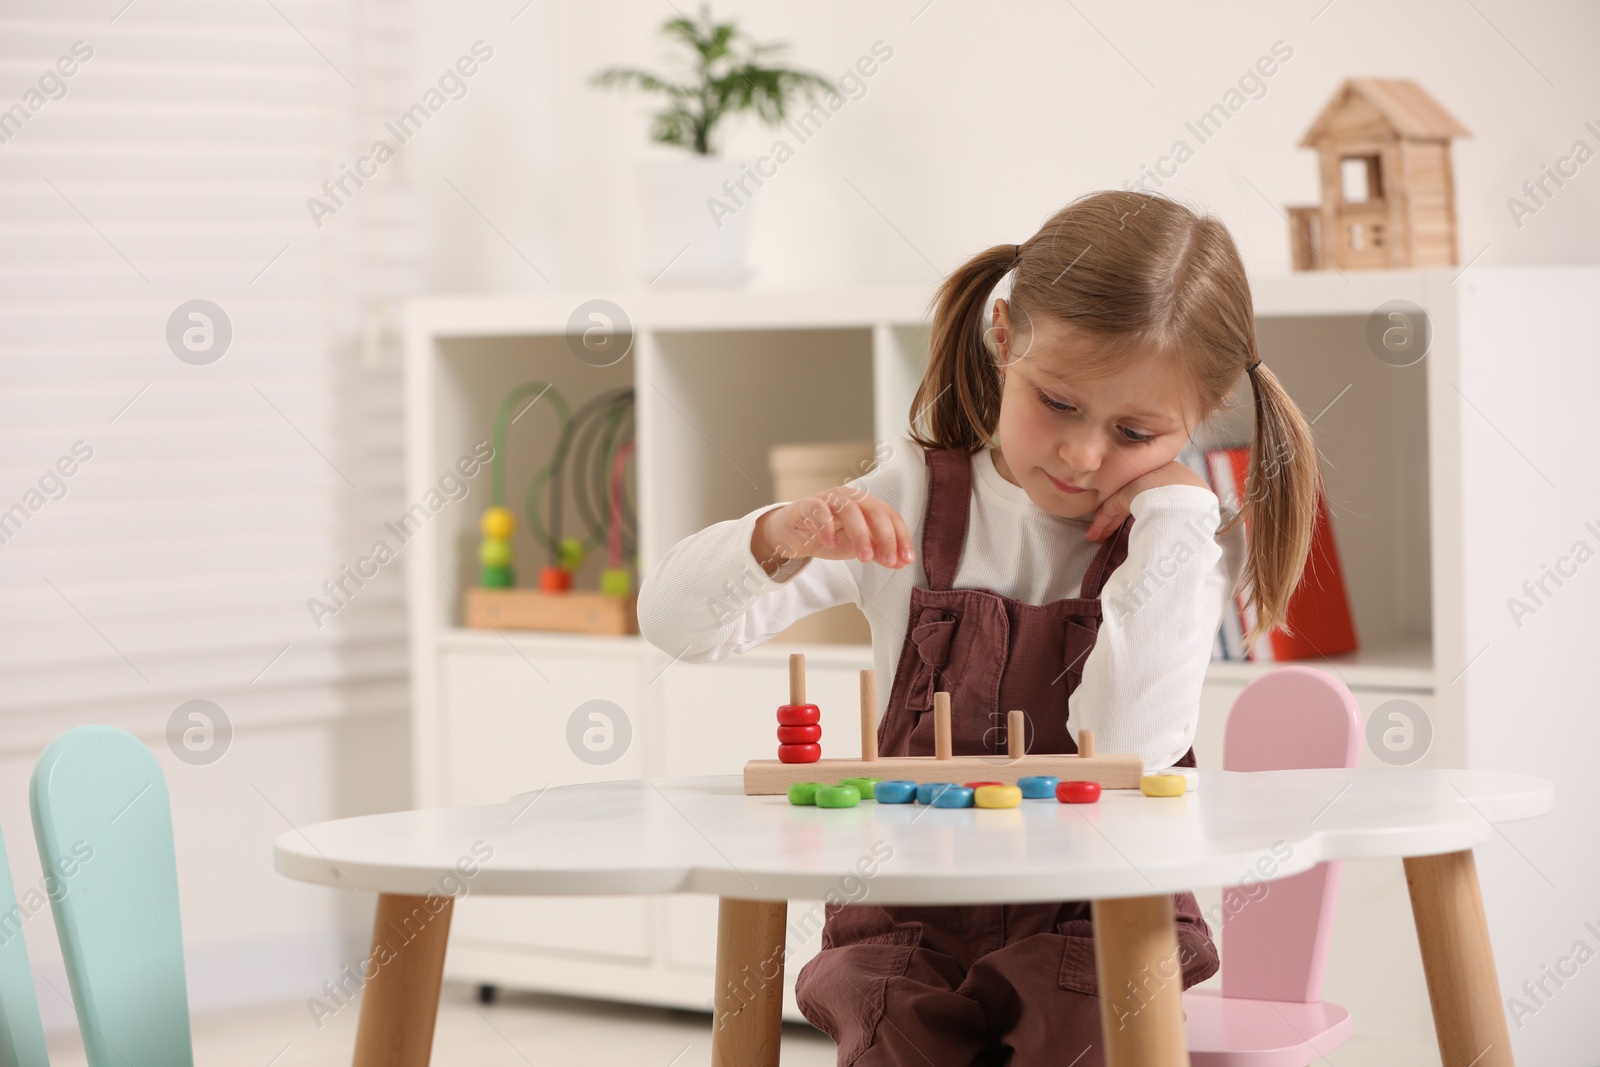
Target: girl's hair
1136,276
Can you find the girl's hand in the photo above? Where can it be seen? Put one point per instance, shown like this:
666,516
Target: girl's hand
844,522
1116,507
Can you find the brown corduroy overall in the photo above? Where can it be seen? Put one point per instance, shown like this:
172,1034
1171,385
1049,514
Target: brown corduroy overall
993,984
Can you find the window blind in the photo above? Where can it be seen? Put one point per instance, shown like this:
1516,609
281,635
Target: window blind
167,504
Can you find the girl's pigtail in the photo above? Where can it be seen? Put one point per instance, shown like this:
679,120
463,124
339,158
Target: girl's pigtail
1281,495
958,403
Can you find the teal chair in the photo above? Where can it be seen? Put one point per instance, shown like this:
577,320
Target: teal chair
100,811
21,1033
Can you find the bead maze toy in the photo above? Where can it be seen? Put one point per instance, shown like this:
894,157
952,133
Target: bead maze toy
776,776
598,440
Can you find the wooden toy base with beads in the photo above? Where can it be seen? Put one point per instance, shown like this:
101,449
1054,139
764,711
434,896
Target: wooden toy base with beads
769,776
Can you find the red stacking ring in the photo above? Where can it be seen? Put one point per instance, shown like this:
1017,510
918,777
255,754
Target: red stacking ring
974,785
1078,792
799,753
798,715
800,735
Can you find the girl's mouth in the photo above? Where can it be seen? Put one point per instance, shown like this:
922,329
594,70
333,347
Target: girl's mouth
1063,486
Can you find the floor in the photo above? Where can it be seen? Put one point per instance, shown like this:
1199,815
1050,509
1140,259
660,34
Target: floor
520,1029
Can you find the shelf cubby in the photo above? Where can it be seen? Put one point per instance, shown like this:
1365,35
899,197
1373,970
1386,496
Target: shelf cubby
718,400
473,375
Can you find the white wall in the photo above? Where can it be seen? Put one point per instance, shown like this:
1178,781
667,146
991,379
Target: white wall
986,120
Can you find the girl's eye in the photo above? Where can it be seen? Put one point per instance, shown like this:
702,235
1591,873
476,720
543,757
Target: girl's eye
1134,436
1054,405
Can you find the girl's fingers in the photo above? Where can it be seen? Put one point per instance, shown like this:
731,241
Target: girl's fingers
891,544
902,534
885,550
855,525
1105,521
857,536
816,521
1097,527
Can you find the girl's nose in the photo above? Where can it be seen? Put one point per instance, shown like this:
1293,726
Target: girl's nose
1082,449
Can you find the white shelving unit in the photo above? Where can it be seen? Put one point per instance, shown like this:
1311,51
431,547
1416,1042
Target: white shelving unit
722,376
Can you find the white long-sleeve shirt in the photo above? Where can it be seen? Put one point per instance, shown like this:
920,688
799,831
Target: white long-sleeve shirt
1160,609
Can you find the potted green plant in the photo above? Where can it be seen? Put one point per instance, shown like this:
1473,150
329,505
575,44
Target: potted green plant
695,231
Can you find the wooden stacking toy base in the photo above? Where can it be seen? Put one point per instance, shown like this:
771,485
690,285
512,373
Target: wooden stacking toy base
534,609
764,777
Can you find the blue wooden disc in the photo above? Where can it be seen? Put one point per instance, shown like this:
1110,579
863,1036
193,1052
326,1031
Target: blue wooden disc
1038,786
957,796
895,791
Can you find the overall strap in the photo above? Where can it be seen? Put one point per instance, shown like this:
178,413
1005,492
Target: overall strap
944,523
1112,552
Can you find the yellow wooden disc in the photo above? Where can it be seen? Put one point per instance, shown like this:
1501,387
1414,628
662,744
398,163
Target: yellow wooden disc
1163,785
997,796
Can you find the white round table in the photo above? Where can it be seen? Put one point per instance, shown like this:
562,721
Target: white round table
1127,853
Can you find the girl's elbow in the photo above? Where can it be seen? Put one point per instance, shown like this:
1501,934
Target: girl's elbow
669,626
657,622
1167,751
1162,761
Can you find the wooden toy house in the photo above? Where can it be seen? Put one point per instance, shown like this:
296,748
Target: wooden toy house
1388,192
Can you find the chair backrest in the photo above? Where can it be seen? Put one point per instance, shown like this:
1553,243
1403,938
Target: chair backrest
104,826
21,1032
1275,935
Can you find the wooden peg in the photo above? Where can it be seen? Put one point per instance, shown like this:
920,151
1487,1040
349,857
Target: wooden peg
797,677
1086,743
942,748
869,715
1016,734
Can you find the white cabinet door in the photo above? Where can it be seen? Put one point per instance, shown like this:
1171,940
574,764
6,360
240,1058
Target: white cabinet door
691,934
509,728
714,717
690,940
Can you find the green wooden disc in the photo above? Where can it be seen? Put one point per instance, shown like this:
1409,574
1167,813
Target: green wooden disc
804,792
838,796
863,785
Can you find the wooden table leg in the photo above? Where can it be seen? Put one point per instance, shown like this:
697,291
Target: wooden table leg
747,1022
1141,983
1468,1014
401,998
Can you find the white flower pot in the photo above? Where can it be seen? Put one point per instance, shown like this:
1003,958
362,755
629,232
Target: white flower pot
695,230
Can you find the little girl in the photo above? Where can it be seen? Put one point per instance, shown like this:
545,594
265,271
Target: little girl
1032,544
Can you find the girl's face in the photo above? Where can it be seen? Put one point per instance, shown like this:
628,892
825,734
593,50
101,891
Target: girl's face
1096,436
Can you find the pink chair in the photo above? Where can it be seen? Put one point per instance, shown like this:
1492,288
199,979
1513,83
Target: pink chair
1275,946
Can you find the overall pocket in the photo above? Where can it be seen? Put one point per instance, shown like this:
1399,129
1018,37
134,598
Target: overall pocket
1077,956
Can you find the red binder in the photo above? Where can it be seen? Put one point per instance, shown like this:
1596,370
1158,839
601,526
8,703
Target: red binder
1319,610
